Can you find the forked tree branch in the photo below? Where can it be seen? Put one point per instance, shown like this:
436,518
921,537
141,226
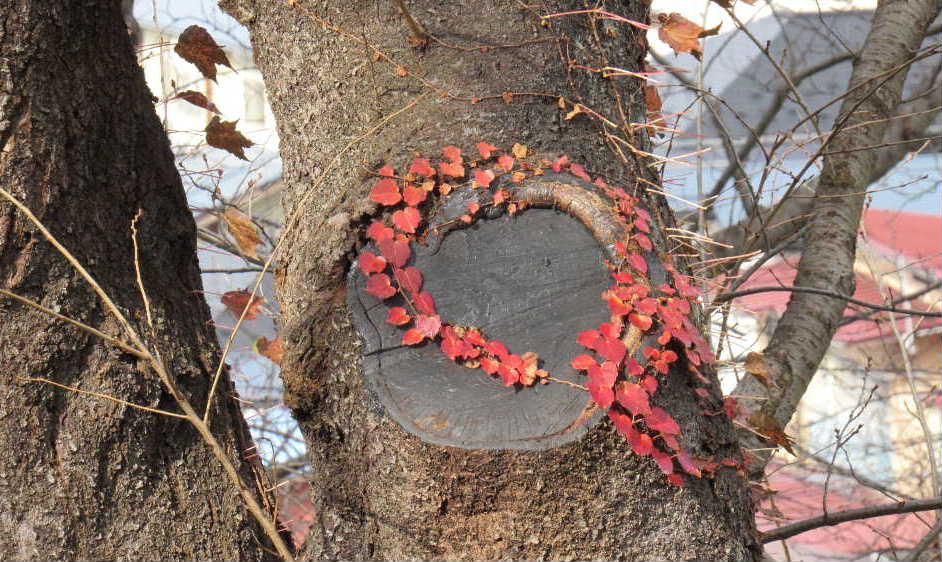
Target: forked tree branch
810,321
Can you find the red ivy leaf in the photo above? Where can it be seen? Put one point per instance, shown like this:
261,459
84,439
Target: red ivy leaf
633,398
387,171
407,220
688,464
663,460
638,262
647,306
676,480
583,363
578,171
642,321
490,366
410,279
610,330
506,162
377,232
560,163
412,336
396,252
611,349
380,286
600,384
660,420
398,316
371,263
649,383
644,242
486,149
428,325
386,192
624,277
589,338
414,196
509,375
483,177
621,421
497,348
422,167
453,154
641,443
425,303
451,169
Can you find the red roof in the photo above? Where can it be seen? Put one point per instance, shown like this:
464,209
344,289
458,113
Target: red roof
295,510
914,238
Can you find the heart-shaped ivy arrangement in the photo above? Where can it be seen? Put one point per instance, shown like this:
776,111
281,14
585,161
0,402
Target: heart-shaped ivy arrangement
649,332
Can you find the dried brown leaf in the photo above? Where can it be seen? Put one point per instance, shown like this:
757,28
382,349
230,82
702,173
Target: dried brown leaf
239,300
682,34
757,367
198,99
274,349
767,426
197,46
223,134
244,231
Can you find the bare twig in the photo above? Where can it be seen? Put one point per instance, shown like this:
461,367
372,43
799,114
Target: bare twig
838,517
103,396
824,292
80,325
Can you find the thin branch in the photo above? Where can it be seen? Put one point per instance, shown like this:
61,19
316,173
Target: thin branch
723,297
109,304
917,550
80,325
418,30
137,268
838,517
899,300
103,396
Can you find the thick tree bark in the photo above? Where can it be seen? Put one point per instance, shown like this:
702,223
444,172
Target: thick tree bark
82,477
333,70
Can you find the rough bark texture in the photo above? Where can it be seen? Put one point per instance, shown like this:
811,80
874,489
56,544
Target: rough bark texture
380,492
804,333
82,477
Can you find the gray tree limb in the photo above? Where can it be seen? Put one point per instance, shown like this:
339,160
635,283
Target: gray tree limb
810,321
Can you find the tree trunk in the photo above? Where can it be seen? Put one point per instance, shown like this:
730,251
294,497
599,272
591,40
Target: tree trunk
83,477
493,71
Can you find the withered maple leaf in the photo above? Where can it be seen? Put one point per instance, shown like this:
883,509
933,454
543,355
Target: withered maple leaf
223,134
274,349
682,34
237,301
197,46
244,231
198,99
